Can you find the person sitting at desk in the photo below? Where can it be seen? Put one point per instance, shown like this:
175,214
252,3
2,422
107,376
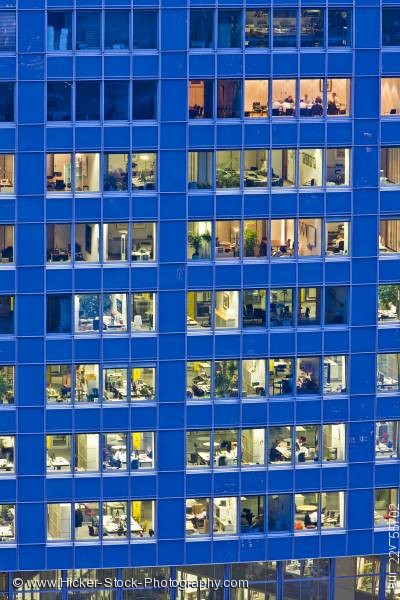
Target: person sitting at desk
302,451
279,452
316,108
311,520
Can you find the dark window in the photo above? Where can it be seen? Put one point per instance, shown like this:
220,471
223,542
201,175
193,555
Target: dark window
59,101
201,99
6,102
339,27
59,314
229,98
116,100
336,305
7,314
257,28
391,27
116,30
144,100
7,31
145,29
87,101
88,30
201,28
229,28
284,28
7,244
312,28
59,27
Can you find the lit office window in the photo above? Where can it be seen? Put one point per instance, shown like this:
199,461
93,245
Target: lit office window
312,28
116,29
197,516
390,27
309,306
386,440
7,454
7,30
252,514
87,383
144,242
335,374
280,445
310,167
59,30
253,378
87,313
309,237
86,521
285,28
332,510
256,98
254,308
144,99
283,98
201,98
308,376
116,100
87,100
6,244
6,384
198,444
307,512
339,27
390,96
336,305
389,236
115,172
199,240
7,304
58,172
255,168
58,242
253,447
201,33
280,376
114,452
88,33
6,173
200,170
198,380
142,450
114,313
143,384
337,166
281,307
283,168
229,28
58,383
228,168
145,29
142,519
58,313
226,309
86,452
389,303
255,239
143,311
306,443
226,378
58,521
58,457
59,101
225,448
87,172
334,442
390,166
338,97
282,238
311,98
144,171
388,372
115,241
280,512
225,516
229,98
337,238
87,242
199,310
227,240
115,520
257,28
115,384
384,498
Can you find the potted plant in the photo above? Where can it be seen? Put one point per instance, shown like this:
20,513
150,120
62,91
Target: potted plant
195,240
250,242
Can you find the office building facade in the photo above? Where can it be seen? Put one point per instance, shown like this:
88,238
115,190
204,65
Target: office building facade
199,298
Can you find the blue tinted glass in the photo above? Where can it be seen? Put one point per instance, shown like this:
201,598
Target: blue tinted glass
7,314
229,28
7,31
116,30
87,101
144,103
201,28
336,304
145,29
391,27
339,27
59,314
59,101
312,28
116,100
6,102
229,98
257,28
284,28
87,30
59,28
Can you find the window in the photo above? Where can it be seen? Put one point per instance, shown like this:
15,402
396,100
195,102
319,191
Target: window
7,93
307,511
115,384
227,240
116,29
225,516
87,242
256,98
226,378
201,98
115,240
228,168
145,29
86,452
58,172
142,519
390,96
388,372
7,30
390,166
143,311
58,383
58,247
87,100
87,383
201,28
86,521
309,237
6,244
254,308
144,99
306,443
58,522
253,447
283,168
115,172
337,238
339,27
285,28
279,512
229,98
308,378
386,440
309,306
332,510
198,444
58,453
143,241
337,166
87,172
312,28
281,307
389,303
114,520
282,238
6,174
226,309
7,522
144,170
143,384
114,313
59,29
338,100
253,378
88,29
199,310
310,170
252,514
383,499
229,28
280,376
200,170
7,454
311,98
142,450
283,97
58,313
116,100
334,446
257,28
87,313
390,27
198,380
6,385
197,516
280,445
199,240
59,101
255,168
114,452
336,305
335,375
389,236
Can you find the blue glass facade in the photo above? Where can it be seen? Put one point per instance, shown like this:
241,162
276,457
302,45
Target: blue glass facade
199,284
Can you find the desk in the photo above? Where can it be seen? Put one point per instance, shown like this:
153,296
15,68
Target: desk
6,465
306,507
205,456
141,255
6,531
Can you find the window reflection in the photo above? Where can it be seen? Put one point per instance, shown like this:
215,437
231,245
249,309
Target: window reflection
312,28
279,512
116,29
116,100
87,313
87,383
7,94
198,379
144,169
58,313
59,100
257,28
59,29
7,304
145,29
88,30
7,30
390,27
336,305
281,307
229,94
87,100
144,99
201,33
229,28
339,27
284,28
115,172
